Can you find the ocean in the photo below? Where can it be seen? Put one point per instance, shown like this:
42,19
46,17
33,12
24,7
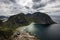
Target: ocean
45,31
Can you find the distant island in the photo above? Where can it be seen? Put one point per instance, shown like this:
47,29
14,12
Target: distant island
21,19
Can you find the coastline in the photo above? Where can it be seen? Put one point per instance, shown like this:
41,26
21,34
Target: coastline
22,35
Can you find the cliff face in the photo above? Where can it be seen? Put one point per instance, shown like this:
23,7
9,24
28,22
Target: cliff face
25,19
17,20
42,18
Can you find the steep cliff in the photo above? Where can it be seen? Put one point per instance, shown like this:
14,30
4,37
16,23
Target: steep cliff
42,18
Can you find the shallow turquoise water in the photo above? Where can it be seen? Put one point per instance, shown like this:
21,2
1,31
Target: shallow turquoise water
45,32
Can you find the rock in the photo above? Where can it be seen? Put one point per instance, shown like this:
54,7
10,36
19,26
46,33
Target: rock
42,18
24,36
16,20
25,19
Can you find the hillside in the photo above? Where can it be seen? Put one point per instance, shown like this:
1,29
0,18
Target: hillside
15,21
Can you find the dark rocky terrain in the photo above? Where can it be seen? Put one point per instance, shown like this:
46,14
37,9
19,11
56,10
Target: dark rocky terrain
25,19
42,18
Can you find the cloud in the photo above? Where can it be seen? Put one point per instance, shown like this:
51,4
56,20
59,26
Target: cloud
52,7
12,7
13,1
47,5
9,7
8,1
42,3
39,4
36,0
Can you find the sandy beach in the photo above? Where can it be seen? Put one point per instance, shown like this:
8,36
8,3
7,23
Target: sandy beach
22,35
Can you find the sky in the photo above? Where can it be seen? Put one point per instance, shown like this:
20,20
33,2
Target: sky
12,7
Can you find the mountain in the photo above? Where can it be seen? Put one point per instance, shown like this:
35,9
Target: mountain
4,18
42,18
1,17
16,21
25,19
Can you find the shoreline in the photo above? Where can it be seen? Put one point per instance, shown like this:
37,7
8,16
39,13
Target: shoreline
23,35
24,27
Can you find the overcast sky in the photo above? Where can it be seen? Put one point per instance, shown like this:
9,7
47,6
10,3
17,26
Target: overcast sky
12,7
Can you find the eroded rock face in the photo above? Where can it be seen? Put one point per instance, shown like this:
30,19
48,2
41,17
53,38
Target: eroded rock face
42,18
16,21
24,36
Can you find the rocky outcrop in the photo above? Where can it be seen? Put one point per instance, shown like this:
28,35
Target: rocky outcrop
24,36
16,21
42,18
25,19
